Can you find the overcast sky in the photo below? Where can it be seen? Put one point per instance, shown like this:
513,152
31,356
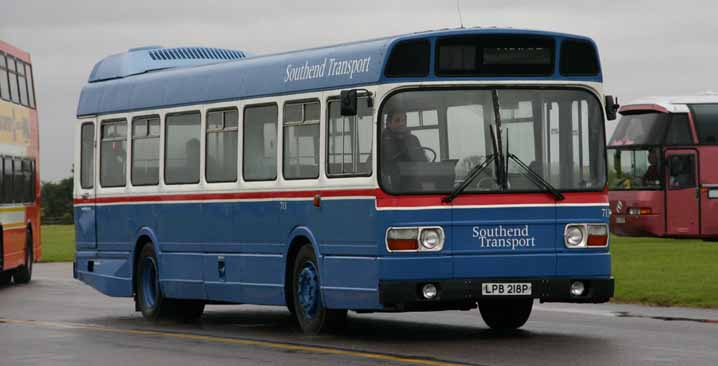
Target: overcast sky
647,47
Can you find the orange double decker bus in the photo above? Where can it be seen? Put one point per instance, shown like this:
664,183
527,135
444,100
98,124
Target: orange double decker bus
19,158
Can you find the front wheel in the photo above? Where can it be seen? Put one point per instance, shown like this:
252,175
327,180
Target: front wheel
309,308
506,314
24,273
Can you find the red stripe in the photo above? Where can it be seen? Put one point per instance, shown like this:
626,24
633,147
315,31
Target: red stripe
383,199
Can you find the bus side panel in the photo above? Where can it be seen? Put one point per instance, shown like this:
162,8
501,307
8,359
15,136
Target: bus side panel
113,226
709,190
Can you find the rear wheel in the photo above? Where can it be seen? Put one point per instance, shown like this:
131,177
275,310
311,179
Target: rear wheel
309,308
24,273
151,301
506,314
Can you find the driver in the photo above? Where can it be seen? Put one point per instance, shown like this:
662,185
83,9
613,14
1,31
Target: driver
397,141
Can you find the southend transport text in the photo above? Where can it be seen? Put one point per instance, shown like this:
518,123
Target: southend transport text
504,237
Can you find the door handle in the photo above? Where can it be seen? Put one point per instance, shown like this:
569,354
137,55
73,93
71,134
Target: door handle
85,195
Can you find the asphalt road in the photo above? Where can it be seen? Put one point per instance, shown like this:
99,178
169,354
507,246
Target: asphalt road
56,320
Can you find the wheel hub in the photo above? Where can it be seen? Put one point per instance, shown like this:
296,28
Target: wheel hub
308,290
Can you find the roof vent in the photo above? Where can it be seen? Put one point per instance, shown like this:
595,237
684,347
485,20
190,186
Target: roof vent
144,59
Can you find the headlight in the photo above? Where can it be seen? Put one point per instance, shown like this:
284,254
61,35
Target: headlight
574,236
430,238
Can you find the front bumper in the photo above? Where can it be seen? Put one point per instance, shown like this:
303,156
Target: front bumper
405,295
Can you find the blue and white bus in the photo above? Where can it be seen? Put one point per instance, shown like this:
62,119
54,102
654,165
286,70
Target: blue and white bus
441,170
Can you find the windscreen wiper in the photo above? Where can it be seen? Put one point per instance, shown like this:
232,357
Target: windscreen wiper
473,173
536,178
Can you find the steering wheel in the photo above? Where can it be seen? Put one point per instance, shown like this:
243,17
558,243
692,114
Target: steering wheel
433,158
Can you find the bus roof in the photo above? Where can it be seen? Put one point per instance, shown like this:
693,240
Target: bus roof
668,104
340,66
18,53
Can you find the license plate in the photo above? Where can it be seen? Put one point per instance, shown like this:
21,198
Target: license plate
620,219
505,289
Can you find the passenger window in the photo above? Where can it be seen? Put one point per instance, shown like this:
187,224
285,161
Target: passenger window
14,92
301,141
145,151
22,83
682,171
679,132
113,153
19,179
350,142
7,188
221,154
4,83
182,148
28,167
87,156
30,85
260,143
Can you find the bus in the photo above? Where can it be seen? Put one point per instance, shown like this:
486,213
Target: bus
19,167
662,179
439,170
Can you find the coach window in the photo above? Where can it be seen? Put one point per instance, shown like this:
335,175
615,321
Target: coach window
182,148
4,84
87,156
113,153
221,145
259,150
22,83
349,142
14,92
145,151
7,187
30,85
301,140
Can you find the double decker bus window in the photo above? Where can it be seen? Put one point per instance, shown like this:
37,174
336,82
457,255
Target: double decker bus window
4,81
7,188
30,85
706,120
14,91
113,153
145,151
221,155
260,143
182,148
301,140
22,83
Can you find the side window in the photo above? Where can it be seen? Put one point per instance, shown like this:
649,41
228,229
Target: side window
22,82
301,140
113,153
29,168
260,143
30,85
682,171
145,151
182,148
14,92
7,188
4,83
679,132
221,145
19,179
87,156
349,141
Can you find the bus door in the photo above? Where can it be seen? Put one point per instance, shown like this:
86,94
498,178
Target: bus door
682,193
85,229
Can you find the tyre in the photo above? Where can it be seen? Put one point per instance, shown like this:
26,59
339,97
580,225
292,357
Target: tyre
5,278
309,308
149,298
23,274
506,314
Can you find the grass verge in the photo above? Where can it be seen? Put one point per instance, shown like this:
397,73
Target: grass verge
58,243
